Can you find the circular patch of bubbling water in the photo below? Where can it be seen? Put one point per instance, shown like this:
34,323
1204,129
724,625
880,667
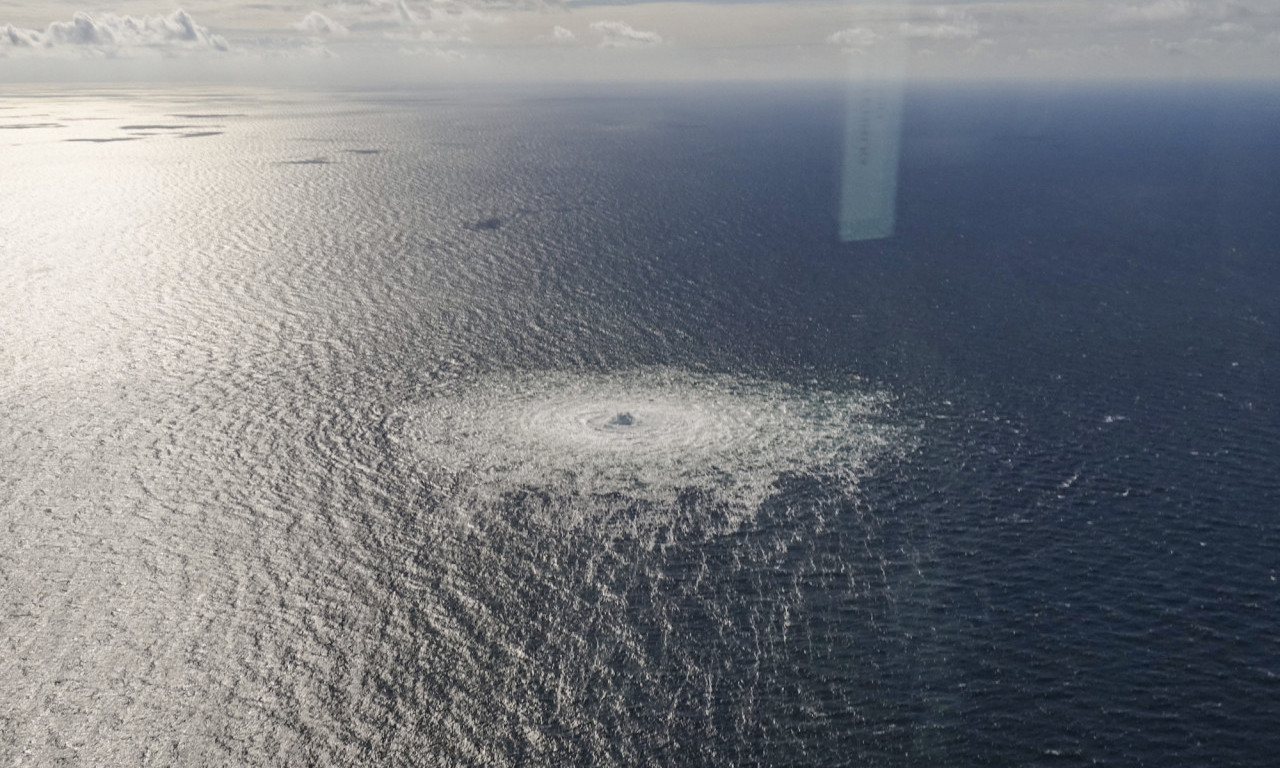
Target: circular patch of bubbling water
645,435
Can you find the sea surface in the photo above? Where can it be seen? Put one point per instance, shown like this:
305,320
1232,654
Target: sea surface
556,426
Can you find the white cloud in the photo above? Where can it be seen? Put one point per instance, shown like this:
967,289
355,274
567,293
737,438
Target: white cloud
317,24
853,39
944,31
449,55
18,37
467,11
1091,53
619,34
109,34
405,15
1160,10
769,39
416,13
1169,11
430,36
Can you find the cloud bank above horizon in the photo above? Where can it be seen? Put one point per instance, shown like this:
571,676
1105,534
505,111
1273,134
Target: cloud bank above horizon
407,40
111,34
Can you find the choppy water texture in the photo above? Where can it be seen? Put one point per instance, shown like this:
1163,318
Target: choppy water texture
558,428
645,435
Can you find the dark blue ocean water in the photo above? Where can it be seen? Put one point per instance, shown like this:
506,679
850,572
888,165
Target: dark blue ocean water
314,448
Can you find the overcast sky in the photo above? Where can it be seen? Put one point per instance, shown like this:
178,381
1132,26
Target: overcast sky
358,41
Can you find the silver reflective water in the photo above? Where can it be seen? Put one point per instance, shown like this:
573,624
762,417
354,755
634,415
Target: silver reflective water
257,354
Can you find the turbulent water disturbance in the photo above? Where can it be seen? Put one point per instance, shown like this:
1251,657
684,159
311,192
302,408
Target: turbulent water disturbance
646,435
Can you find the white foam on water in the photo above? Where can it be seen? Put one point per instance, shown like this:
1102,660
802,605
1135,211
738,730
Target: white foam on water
646,435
